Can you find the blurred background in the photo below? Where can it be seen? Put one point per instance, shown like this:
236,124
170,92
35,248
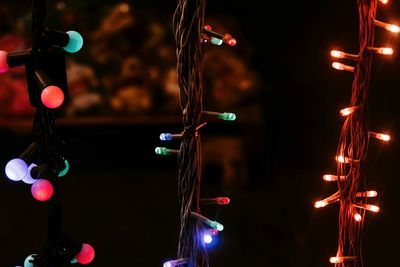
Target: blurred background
122,198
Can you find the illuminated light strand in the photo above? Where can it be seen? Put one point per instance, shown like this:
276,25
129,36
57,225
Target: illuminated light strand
357,217
165,151
390,27
217,38
213,224
341,66
226,116
173,263
349,110
326,201
346,160
380,136
371,193
341,259
217,200
340,54
331,177
365,206
381,50
170,136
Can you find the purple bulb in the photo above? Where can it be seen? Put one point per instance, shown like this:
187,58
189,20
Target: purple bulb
16,169
28,178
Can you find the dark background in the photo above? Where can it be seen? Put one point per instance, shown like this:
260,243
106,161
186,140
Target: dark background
121,198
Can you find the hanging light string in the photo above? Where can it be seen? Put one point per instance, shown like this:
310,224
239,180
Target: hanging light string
353,142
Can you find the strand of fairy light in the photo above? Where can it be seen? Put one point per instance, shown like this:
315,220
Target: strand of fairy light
352,201
209,228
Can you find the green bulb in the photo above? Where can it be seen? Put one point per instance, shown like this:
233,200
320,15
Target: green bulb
216,225
216,41
227,116
75,42
65,170
74,261
162,151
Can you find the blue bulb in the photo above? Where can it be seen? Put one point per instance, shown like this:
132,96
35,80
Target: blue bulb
16,169
75,42
27,262
165,137
207,238
168,264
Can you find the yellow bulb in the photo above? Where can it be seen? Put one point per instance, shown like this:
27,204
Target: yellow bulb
337,54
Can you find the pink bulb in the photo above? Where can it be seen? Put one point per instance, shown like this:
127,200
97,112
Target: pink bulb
3,62
42,189
86,255
232,42
52,96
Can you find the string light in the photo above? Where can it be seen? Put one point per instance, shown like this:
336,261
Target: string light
357,217
390,27
28,179
366,206
217,200
226,116
173,263
380,136
331,177
347,111
340,66
340,54
381,50
52,96
86,254
384,1
169,136
16,169
42,190
329,200
29,260
165,151
342,259
64,171
213,224
371,193
346,160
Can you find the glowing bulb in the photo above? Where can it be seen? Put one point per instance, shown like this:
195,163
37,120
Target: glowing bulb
342,259
207,27
371,193
232,42
3,62
52,96
331,178
385,51
173,263
320,204
216,225
28,260
340,66
64,171
347,111
393,28
384,1
337,54
75,42
216,41
380,136
165,137
73,261
42,189
86,255
223,200
207,238
369,207
357,217
227,116
165,151
374,208
16,169
28,179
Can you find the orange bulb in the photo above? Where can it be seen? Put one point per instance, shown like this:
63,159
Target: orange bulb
343,159
340,66
385,51
331,178
347,111
368,207
384,1
393,28
371,193
52,96
342,259
320,204
337,54
380,136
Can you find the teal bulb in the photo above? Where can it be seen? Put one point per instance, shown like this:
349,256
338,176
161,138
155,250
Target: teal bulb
227,116
74,261
216,41
75,42
65,170
27,262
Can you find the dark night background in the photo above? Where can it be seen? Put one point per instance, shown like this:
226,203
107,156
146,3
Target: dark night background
121,197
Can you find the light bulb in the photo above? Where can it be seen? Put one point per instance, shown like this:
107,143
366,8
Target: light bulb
346,160
385,50
368,207
28,179
227,116
384,1
371,193
357,217
75,42
223,200
52,96
331,199
347,111
340,54
331,177
207,27
216,225
207,238
165,151
337,54
173,263
340,66
342,259
3,62
16,169
380,136
165,137
216,41
27,262
390,27
64,171
42,189
73,261
86,254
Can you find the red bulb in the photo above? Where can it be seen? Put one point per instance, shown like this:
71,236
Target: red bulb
232,42
208,27
52,96
42,190
86,255
223,200
3,62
